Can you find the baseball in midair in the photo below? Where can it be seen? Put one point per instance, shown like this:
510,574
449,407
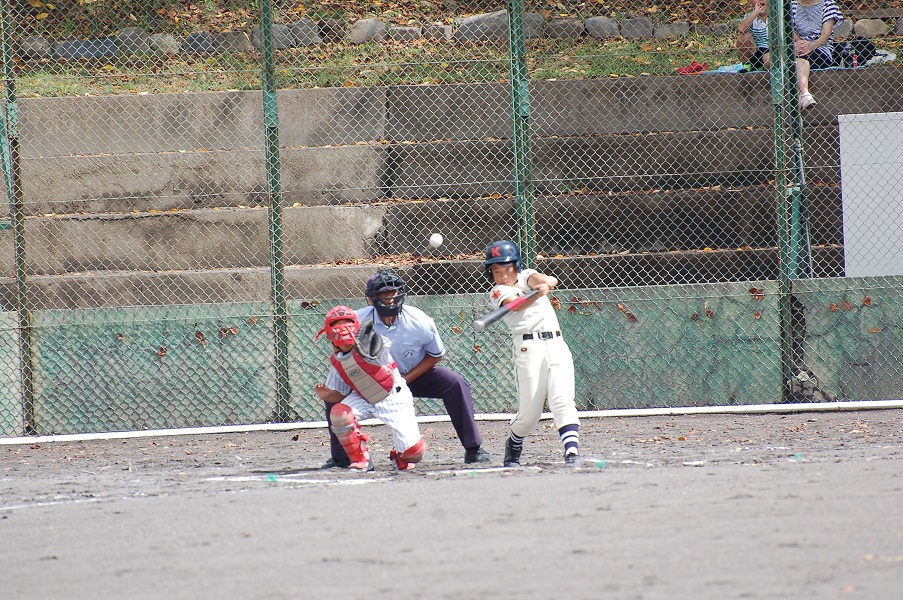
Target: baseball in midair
436,240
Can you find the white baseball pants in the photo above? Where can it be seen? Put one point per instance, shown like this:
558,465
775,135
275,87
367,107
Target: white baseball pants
545,372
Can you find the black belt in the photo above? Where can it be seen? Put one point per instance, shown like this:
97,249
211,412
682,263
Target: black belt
543,335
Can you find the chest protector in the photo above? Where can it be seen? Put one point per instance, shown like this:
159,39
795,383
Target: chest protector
373,382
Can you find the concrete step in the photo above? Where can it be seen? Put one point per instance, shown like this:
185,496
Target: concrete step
578,224
137,153
425,277
594,224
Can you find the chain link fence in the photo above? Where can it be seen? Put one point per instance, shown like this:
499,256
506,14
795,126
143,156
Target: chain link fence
189,188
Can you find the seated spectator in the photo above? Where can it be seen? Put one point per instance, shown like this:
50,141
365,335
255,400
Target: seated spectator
813,23
752,38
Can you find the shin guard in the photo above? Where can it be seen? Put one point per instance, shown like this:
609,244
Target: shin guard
349,434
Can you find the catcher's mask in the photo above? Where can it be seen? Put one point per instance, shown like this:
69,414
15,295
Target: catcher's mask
386,280
343,333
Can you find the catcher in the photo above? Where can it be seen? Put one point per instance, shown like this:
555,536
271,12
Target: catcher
363,383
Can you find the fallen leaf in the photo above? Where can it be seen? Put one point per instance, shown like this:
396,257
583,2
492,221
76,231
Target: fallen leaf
867,301
833,307
847,305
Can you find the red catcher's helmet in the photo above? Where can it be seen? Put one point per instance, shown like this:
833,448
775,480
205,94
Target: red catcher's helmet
342,335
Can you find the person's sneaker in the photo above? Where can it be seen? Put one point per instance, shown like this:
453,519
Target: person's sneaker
806,100
475,455
400,463
572,459
334,464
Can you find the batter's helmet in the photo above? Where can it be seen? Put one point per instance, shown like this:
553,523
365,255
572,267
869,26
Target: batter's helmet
502,252
383,281
342,335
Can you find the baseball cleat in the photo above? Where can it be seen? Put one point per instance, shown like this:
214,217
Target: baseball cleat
334,464
475,455
361,467
572,459
400,463
512,455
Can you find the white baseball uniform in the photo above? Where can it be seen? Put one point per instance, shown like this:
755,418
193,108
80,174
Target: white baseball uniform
543,363
396,410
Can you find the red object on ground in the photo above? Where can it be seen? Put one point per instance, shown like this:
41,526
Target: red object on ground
693,68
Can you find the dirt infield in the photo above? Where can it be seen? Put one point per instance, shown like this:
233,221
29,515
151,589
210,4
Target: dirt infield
798,505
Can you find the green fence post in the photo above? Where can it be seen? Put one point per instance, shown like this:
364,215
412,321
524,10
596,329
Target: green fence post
520,115
794,255
11,173
274,195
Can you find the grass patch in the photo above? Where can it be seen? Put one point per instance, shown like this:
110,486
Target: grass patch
386,63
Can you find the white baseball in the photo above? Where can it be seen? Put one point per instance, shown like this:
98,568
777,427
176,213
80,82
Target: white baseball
436,240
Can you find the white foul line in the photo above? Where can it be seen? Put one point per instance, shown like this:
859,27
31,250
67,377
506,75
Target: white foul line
54,503
615,412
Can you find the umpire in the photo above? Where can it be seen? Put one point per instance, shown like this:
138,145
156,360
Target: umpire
417,348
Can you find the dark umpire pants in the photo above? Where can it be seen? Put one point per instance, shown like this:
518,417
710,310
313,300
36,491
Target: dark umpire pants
438,382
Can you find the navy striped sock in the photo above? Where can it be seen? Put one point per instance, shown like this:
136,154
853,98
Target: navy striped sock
570,437
517,442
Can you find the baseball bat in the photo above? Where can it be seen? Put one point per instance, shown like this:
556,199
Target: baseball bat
491,317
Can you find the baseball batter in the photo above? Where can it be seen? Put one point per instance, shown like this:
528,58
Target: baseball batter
543,364
364,382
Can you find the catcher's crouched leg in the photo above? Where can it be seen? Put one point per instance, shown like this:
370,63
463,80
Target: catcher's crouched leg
349,434
407,459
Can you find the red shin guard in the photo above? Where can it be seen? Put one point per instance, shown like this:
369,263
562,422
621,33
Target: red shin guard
349,434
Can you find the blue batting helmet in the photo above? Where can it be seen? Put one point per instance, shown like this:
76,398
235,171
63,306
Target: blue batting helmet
502,252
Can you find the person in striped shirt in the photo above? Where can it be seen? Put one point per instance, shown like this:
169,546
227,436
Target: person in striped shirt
752,40
813,23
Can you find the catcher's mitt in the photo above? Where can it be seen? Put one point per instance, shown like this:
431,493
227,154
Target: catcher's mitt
368,343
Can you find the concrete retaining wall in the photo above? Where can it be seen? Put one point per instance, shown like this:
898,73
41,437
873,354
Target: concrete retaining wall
128,153
111,362
11,406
